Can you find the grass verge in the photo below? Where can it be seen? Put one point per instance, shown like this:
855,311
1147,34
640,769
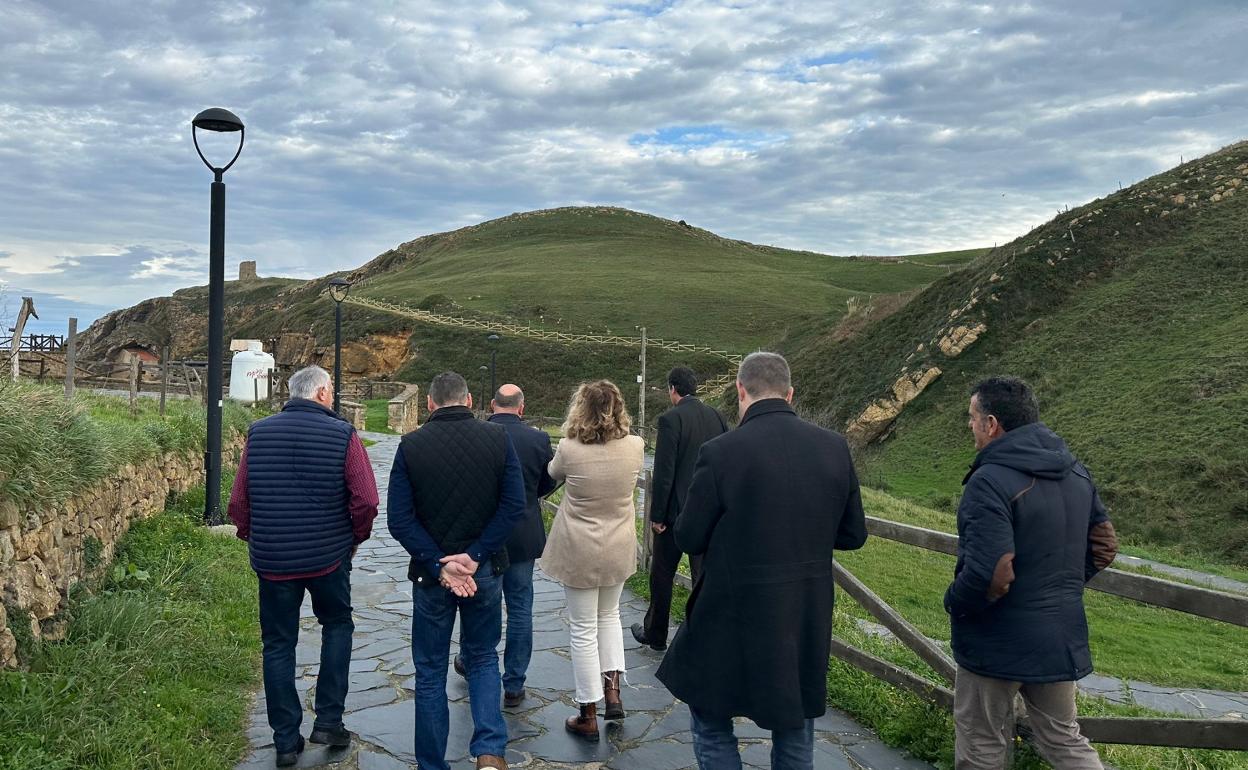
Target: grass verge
51,448
377,415
157,664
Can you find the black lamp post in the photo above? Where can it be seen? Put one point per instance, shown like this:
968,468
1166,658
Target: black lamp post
482,369
338,289
215,119
493,338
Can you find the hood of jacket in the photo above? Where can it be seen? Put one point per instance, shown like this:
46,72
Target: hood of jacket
1032,449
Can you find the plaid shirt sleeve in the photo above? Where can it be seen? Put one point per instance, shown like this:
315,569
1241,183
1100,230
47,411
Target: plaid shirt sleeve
362,487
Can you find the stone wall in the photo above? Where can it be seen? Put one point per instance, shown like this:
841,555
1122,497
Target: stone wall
404,410
43,551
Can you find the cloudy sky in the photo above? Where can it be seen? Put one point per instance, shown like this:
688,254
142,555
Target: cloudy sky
842,127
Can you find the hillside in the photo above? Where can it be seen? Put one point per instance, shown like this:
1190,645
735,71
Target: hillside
1129,316
599,269
578,270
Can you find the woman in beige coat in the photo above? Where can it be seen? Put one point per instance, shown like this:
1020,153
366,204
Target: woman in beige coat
592,547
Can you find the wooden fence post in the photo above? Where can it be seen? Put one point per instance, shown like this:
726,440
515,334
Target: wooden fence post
164,377
135,373
71,358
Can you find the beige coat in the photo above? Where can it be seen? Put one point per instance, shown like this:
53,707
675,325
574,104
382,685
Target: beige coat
593,541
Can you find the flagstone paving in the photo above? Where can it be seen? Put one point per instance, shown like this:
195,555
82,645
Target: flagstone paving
655,735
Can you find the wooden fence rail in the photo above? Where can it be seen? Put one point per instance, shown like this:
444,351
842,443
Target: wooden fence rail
1229,734
463,322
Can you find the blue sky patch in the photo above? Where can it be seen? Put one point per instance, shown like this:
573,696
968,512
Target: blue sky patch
691,137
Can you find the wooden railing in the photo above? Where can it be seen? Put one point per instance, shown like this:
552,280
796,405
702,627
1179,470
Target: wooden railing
1140,731
463,322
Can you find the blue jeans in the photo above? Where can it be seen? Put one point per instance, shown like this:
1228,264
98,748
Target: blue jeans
518,594
279,632
480,628
715,744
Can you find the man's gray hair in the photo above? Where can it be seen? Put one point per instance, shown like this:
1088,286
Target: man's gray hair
305,382
510,401
448,388
765,375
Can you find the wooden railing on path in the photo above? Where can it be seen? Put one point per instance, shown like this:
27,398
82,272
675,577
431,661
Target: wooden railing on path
1141,731
462,322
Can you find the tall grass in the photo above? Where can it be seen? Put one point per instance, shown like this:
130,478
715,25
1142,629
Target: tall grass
51,448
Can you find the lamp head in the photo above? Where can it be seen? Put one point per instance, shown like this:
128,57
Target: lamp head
217,119
339,288
221,121
493,338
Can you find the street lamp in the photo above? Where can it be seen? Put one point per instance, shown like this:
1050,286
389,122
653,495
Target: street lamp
222,121
493,338
482,369
338,289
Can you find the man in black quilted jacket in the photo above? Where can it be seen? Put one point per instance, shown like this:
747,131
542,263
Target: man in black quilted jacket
1031,532
456,493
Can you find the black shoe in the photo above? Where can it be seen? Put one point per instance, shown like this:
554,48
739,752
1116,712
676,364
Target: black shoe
335,737
639,633
289,758
513,699
460,668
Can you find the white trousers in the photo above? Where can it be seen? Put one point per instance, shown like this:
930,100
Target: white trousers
597,637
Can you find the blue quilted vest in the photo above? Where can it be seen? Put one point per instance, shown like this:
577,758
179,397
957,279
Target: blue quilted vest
296,461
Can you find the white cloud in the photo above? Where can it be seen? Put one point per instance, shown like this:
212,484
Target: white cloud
838,127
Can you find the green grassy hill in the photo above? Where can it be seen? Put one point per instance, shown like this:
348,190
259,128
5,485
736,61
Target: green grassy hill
600,269
576,270
1129,316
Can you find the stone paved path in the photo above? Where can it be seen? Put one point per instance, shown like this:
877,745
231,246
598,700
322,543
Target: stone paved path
655,736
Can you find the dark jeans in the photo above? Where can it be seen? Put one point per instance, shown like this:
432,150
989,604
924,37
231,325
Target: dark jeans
663,564
715,744
480,628
518,594
279,630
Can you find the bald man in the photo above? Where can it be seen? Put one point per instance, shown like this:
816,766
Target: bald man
526,542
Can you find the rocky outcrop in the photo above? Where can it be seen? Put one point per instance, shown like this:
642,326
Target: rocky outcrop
879,415
959,338
44,551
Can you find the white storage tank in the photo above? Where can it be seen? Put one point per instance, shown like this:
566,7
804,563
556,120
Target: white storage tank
249,372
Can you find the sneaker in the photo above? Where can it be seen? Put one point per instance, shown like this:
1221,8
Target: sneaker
335,737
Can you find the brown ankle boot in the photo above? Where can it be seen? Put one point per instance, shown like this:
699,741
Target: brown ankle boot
611,690
586,724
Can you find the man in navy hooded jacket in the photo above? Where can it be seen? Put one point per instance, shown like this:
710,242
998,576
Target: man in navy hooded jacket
1032,530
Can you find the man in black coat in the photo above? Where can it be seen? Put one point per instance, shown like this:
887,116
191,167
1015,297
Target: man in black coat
769,503
683,430
1031,531
526,542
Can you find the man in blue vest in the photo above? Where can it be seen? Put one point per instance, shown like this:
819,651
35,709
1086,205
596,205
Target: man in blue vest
304,499
456,493
526,542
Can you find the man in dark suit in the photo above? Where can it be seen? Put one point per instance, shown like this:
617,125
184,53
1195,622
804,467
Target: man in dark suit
683,430
769,503
526,542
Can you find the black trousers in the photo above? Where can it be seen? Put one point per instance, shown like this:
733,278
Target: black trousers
663,563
